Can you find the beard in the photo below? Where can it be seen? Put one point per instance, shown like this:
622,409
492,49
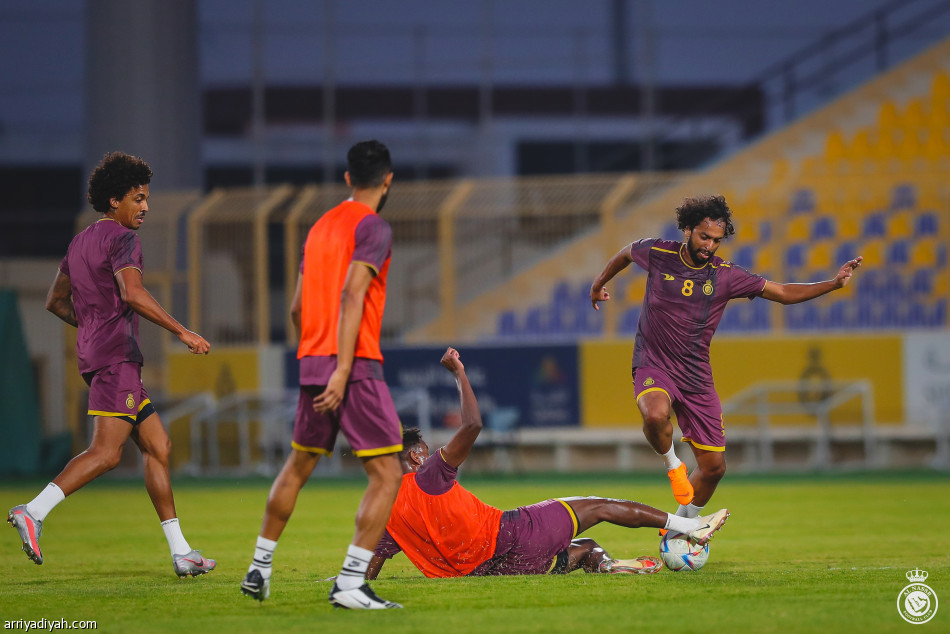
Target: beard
694,254
382,201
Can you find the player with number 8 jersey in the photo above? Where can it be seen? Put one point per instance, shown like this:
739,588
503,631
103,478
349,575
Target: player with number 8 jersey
688,287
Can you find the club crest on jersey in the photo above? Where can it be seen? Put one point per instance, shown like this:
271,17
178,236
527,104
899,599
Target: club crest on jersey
130,402
648,382
707,288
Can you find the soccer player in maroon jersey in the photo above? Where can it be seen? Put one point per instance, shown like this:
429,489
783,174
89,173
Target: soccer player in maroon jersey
446,531
688,287
98,289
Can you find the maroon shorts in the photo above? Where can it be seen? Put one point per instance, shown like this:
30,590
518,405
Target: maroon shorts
699,415
530,539
367,417
117,391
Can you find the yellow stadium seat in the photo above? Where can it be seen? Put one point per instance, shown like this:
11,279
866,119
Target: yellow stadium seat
935,145
835,150
860,148
797,228
914,116
764,260
747,230
779,171
849,227
924,253
941,284
819,256
873,252
887,119
636,289
900,225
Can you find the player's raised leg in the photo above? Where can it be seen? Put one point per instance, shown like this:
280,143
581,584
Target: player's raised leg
655,408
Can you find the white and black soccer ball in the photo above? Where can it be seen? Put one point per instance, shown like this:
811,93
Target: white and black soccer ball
678,553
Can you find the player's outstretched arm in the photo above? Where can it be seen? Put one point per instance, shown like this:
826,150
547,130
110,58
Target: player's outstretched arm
141,301
797,293
598,290
460,446
59,299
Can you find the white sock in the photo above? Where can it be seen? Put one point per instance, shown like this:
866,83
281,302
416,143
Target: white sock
672,461
264,556
690,510
43,503
353,573
176,541
681,524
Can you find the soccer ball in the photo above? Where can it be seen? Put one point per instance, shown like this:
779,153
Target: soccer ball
678,553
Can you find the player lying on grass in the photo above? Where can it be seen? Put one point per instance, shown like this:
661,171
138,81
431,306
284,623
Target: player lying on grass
446,531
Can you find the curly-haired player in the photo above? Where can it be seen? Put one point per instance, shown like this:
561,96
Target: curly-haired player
688,287
98,289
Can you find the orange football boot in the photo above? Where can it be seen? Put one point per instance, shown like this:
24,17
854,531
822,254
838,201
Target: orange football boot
682,489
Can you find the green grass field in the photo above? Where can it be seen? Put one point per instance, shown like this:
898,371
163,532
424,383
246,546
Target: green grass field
799,554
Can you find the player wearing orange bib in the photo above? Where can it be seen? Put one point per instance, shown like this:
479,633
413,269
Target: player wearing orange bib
338,312
446,531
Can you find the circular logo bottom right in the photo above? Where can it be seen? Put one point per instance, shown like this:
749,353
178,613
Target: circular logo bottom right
917,603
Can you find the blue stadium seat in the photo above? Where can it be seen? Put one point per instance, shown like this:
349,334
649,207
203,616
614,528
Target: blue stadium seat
802,317
795,255
803,201
765,231
628,323
926,224
535,322
844,252
889,315
864,313
916,315
731,319
898,253
671,232
839,315
922,282
938,316
823,227
875,226
507,324
561,295
761,315
904,196
745,257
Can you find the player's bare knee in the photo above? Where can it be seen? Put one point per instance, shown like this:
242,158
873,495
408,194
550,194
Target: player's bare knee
161,452
108,459
714,472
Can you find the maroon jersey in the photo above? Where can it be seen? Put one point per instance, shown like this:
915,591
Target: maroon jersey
682,308
108,327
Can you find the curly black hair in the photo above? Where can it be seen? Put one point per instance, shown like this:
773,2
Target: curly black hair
411,437
115,175
694,210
